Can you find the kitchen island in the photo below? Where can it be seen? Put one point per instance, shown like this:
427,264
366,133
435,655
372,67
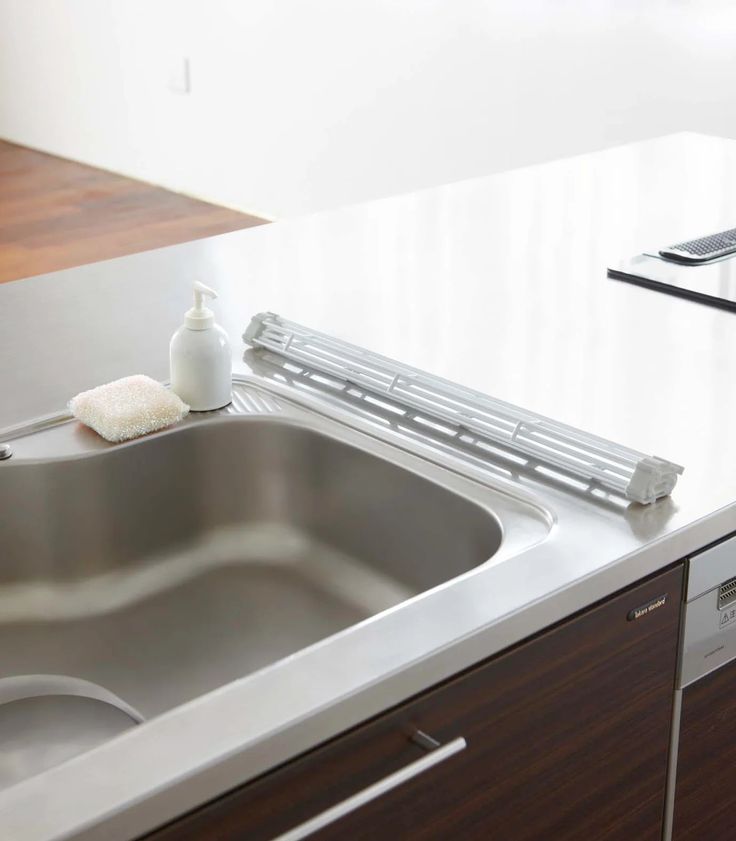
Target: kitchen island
497,283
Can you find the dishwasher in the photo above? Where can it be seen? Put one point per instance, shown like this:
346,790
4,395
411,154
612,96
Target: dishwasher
701,786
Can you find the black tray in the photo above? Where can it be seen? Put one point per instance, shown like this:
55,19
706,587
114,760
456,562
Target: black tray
711,283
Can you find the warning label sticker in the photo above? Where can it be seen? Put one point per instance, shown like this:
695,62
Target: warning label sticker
727,618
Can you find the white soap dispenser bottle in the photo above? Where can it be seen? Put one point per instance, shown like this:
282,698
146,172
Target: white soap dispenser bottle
200,357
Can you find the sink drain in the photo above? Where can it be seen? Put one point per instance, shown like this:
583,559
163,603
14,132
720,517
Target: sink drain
48,719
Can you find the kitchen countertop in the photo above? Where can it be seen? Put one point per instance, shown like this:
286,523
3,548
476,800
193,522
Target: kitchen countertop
498,283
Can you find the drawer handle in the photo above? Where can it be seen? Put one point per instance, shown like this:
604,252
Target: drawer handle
374,791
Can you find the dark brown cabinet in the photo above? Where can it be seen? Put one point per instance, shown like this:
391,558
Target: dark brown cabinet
567,739
705,793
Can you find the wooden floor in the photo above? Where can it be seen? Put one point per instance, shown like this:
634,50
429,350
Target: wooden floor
55,214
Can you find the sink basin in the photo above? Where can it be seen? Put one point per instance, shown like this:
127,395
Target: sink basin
170,566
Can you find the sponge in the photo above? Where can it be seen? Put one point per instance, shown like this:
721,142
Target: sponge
127,408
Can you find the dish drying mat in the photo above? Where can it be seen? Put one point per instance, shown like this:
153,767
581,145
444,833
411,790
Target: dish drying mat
635,475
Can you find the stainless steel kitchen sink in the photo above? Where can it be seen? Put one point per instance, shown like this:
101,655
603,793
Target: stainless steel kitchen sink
164,568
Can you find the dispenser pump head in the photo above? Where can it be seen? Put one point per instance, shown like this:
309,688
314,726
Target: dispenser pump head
200,317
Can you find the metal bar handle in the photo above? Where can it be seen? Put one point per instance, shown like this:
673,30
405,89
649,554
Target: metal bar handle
374,791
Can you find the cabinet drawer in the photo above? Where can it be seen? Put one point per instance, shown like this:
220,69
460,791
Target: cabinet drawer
564,737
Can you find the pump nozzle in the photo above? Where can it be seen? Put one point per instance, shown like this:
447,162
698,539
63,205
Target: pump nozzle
200,317
200,290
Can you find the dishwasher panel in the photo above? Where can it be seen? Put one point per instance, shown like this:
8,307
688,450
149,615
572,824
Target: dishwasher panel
701,788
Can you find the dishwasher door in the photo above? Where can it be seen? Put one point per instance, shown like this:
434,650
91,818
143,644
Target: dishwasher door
701,798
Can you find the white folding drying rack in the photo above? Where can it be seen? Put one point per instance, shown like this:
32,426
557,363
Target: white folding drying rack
635,475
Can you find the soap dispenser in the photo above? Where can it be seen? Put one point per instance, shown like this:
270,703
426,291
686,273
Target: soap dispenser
200,357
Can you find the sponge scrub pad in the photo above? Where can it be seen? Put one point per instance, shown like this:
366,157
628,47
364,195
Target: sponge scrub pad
127,408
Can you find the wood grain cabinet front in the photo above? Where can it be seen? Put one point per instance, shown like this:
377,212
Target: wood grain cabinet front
705,793
562,738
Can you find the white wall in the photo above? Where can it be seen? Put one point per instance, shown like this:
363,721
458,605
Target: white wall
298,105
